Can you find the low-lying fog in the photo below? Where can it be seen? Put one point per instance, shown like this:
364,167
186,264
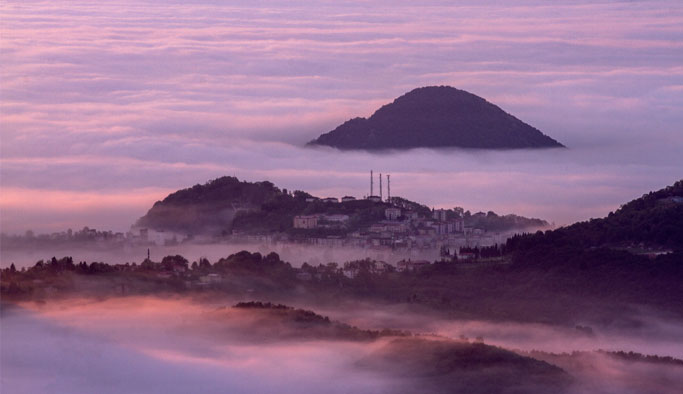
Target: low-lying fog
294,254
640,331
178,345
560,186
141,345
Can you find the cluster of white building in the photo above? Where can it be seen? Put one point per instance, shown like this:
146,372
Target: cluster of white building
157,237
320,221
401,228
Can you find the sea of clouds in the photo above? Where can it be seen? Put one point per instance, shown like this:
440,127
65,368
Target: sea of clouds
108,107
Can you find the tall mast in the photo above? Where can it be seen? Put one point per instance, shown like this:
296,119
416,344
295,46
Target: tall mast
380,186
388,189
372,183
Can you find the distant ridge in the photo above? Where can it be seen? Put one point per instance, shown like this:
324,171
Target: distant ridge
435,117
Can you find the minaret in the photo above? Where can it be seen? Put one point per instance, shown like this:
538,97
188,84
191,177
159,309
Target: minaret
388,189
380,186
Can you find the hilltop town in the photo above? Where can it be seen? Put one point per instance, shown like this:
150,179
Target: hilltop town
233,211
260,212
404,225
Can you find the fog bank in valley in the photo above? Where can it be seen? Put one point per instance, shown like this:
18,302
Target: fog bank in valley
173,344
143,345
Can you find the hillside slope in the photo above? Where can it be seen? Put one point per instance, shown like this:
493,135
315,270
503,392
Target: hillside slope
654,220
211,208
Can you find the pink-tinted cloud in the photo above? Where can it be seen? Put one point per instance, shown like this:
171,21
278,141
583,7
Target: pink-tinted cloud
137,95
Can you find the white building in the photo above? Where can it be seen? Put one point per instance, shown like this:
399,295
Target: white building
158,237
395,227
408,265
412,215
337,218
440,228
440,214
459,225
392,213
381,267
306,221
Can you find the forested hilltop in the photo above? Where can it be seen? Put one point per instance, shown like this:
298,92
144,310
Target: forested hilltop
626,242
654,220
214,207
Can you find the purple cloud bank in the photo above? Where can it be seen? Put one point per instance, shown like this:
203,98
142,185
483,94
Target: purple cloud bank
125,101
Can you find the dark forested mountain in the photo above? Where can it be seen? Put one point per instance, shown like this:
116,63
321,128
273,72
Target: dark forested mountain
636,250
653,220
436,116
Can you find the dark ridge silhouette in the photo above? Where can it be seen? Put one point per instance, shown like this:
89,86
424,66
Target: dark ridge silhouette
285,322
436,117
647,224
448,366
212,207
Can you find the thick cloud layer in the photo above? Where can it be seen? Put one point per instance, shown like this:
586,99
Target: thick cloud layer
108,107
